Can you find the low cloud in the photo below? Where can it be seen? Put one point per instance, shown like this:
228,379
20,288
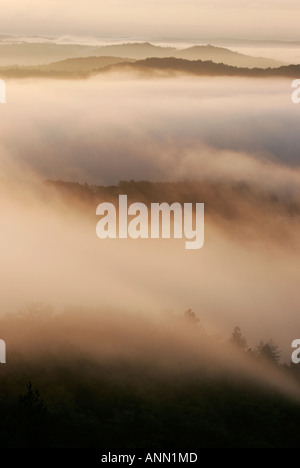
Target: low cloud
218,131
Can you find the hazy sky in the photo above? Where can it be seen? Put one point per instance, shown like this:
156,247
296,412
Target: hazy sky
200,18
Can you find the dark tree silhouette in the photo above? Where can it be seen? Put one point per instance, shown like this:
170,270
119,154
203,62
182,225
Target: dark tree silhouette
237,339
32,403
191,317
269,352
32,418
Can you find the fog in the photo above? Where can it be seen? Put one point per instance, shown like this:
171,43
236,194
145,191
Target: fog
100,131
134,350
287,54
105,130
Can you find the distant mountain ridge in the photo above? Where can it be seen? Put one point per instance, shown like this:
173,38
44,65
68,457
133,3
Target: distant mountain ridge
226,56
83,64
27,54
172,65
152,67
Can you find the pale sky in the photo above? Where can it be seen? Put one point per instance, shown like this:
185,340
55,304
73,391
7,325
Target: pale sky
276,19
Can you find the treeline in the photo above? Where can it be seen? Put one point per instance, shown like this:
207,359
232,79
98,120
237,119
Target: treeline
220,196
115,381
156,67
206,68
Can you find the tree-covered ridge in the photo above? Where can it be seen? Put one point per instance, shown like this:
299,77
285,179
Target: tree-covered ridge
109,380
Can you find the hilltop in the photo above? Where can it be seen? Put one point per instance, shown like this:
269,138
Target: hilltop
153,67
34,54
